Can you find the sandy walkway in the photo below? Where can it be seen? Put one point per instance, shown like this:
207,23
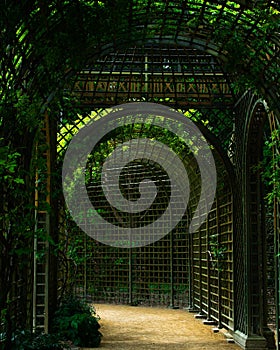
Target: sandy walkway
142,328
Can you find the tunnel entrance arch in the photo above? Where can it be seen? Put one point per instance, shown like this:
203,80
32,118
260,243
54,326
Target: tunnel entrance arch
180,270
191,55
192,273
259,225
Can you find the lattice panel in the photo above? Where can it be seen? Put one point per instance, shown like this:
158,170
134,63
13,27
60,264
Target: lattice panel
212,259
153,274
226,241
184,78
180,269
271,272
240,317
156,274
170,74
180,264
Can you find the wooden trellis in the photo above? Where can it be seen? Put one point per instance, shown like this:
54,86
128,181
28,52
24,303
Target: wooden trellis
188,55
204,271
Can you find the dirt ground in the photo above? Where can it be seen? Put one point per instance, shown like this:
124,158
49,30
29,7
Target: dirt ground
145,328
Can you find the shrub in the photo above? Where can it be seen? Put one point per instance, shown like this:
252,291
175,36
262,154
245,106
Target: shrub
26,340
76,321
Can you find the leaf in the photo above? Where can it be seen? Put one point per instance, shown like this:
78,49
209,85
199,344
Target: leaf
19,181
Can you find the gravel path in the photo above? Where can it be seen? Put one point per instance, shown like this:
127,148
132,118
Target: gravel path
144,328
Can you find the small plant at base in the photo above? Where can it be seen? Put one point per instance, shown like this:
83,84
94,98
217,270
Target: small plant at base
76,321
26,340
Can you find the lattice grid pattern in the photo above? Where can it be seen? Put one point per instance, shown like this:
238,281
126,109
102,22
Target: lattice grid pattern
175,271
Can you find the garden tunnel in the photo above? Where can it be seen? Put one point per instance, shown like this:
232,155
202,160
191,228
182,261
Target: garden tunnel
214,63
196,271
167,272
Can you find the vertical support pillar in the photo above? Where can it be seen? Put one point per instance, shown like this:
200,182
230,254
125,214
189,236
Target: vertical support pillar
190,272
35,251
171,270
41,254
274,125
253,336
47,272
208,320
219,269
200,274
48,201
201,250
146,76
130,277
85,267
277,268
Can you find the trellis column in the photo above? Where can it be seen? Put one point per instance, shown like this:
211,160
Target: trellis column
253,334
44,264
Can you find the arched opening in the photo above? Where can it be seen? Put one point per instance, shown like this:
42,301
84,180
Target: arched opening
261,289
181,269
205,59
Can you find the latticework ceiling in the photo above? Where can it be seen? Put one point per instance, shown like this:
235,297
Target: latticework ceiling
243,36
236,38
178,76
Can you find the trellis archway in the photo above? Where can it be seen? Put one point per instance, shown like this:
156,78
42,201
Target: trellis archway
198,56
181,268
205,287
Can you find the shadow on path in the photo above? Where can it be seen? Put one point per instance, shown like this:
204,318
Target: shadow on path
130,328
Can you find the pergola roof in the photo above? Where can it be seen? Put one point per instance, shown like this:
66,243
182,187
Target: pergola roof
242,35
178,76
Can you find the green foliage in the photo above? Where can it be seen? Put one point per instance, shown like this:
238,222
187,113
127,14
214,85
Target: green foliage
217,253
26,340
271,168
76,320
8,167
40,42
